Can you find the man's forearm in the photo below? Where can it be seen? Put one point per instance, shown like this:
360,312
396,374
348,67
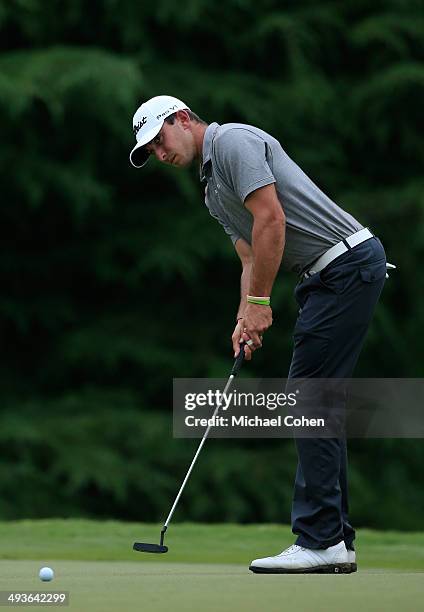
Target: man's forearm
244,287
268,240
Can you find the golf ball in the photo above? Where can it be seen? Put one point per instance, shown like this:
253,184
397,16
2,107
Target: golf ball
46,574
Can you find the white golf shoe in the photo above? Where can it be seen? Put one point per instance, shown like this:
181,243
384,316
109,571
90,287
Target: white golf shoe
351,557
299,560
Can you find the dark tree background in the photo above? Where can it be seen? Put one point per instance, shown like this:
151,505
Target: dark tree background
114,281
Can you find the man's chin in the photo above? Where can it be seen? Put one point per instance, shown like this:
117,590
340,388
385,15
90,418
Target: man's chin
181,162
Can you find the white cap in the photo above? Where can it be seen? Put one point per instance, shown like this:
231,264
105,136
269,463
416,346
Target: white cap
147,123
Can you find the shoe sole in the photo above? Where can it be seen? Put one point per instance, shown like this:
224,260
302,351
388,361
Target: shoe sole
338,568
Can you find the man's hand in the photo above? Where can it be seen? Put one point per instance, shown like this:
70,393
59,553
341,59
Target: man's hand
257,319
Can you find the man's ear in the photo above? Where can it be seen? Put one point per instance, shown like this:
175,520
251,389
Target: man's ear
184,118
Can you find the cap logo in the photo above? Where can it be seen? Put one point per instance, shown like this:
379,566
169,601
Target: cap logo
169,110
137,127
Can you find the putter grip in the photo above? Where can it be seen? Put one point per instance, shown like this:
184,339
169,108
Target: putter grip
238,361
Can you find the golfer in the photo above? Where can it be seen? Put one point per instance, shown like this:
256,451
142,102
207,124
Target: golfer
276,215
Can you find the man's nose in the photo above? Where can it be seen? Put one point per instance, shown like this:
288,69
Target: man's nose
160,154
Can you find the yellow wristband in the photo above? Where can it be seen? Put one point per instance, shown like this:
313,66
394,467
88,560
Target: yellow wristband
263,301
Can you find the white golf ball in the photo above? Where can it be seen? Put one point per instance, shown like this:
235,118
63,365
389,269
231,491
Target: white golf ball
46,574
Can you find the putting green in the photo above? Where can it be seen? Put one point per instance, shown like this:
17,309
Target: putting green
158,586
206,569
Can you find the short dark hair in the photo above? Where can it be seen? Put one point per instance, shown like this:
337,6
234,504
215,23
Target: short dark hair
171,118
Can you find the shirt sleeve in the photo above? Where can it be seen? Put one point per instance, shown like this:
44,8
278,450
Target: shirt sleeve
241,158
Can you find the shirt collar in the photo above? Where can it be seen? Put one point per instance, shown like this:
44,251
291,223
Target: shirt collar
207,147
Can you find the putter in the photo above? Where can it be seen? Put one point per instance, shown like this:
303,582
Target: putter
161,548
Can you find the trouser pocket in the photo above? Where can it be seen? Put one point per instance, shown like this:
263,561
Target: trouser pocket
373,272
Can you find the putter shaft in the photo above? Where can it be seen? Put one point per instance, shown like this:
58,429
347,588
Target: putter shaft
160,548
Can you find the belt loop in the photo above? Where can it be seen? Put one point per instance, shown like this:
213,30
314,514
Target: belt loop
345,242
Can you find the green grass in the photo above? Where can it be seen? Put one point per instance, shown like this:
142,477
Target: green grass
85,540
205,569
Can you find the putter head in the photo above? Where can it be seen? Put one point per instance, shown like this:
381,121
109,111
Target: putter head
150,548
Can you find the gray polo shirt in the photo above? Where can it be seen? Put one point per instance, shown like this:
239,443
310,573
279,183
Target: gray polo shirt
238,159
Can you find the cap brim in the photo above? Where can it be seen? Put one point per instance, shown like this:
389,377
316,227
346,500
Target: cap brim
139,156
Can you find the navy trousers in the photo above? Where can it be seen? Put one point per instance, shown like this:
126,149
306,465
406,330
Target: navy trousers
336,308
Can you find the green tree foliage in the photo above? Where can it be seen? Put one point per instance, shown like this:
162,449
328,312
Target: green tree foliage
115,279
93,454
